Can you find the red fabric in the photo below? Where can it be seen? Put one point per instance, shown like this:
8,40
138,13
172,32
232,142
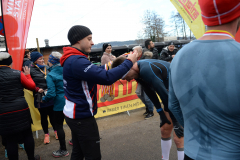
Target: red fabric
237,37
218,12
14,111
130,60
139,57
27,81
69,51
36,89
16,17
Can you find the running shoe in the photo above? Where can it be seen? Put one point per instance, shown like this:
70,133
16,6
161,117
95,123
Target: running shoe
55,134
21,146
37,157
60,153
46,139
149,115
70,142
145,113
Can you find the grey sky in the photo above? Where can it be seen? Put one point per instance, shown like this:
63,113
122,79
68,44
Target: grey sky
109,20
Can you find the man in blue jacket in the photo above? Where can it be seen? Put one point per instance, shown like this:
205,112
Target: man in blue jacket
80,78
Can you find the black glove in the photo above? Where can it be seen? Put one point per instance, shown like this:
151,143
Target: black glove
163,118
38,97
178,129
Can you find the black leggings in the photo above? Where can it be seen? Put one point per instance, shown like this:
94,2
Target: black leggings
12,140
44,112
59,118
85,139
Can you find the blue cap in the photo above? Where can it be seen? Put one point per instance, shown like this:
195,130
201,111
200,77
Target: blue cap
35,56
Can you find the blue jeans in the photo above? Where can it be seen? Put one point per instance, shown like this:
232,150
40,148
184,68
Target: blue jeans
144,98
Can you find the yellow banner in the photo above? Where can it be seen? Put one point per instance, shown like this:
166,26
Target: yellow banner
191,13
125,100
34,111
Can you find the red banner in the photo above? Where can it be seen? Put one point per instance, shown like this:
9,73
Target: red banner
16,19
237,37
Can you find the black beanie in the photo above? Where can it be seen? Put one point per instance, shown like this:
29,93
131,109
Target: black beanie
78,32
171,43
5,61
105,45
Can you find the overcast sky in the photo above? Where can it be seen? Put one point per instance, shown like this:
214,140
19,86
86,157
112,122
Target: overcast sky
109,20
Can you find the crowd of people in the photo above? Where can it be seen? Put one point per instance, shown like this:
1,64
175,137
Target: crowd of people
198,86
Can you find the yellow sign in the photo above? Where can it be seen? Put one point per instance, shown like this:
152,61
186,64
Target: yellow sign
191,13
125,100
34,111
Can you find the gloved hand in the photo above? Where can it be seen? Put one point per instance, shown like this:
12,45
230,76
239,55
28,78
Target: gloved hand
163,118
178,129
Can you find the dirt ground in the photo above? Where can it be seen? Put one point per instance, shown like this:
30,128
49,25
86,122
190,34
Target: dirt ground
105,123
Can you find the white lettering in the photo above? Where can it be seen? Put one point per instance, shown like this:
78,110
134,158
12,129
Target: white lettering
86,69
9,10
16,8
64,84
25,10
17,3
15,14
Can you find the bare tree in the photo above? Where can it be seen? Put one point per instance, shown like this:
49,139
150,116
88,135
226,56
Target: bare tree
153,26
180,26
140,37
173,19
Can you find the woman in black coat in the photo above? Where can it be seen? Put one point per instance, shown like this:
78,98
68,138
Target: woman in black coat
39,74
15,117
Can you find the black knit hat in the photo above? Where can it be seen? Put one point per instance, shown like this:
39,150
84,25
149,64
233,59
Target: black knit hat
171,43
105,45
7,60
78,32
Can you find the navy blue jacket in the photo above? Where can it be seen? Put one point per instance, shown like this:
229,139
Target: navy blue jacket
80,79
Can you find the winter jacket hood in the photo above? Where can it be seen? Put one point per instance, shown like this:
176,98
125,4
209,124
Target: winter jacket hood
69,51
154,51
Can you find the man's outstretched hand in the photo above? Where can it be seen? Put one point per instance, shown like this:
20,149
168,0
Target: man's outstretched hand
133,56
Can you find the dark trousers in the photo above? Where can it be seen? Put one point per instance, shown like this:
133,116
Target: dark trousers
85,139
59,118
44,113
187,158
11,144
